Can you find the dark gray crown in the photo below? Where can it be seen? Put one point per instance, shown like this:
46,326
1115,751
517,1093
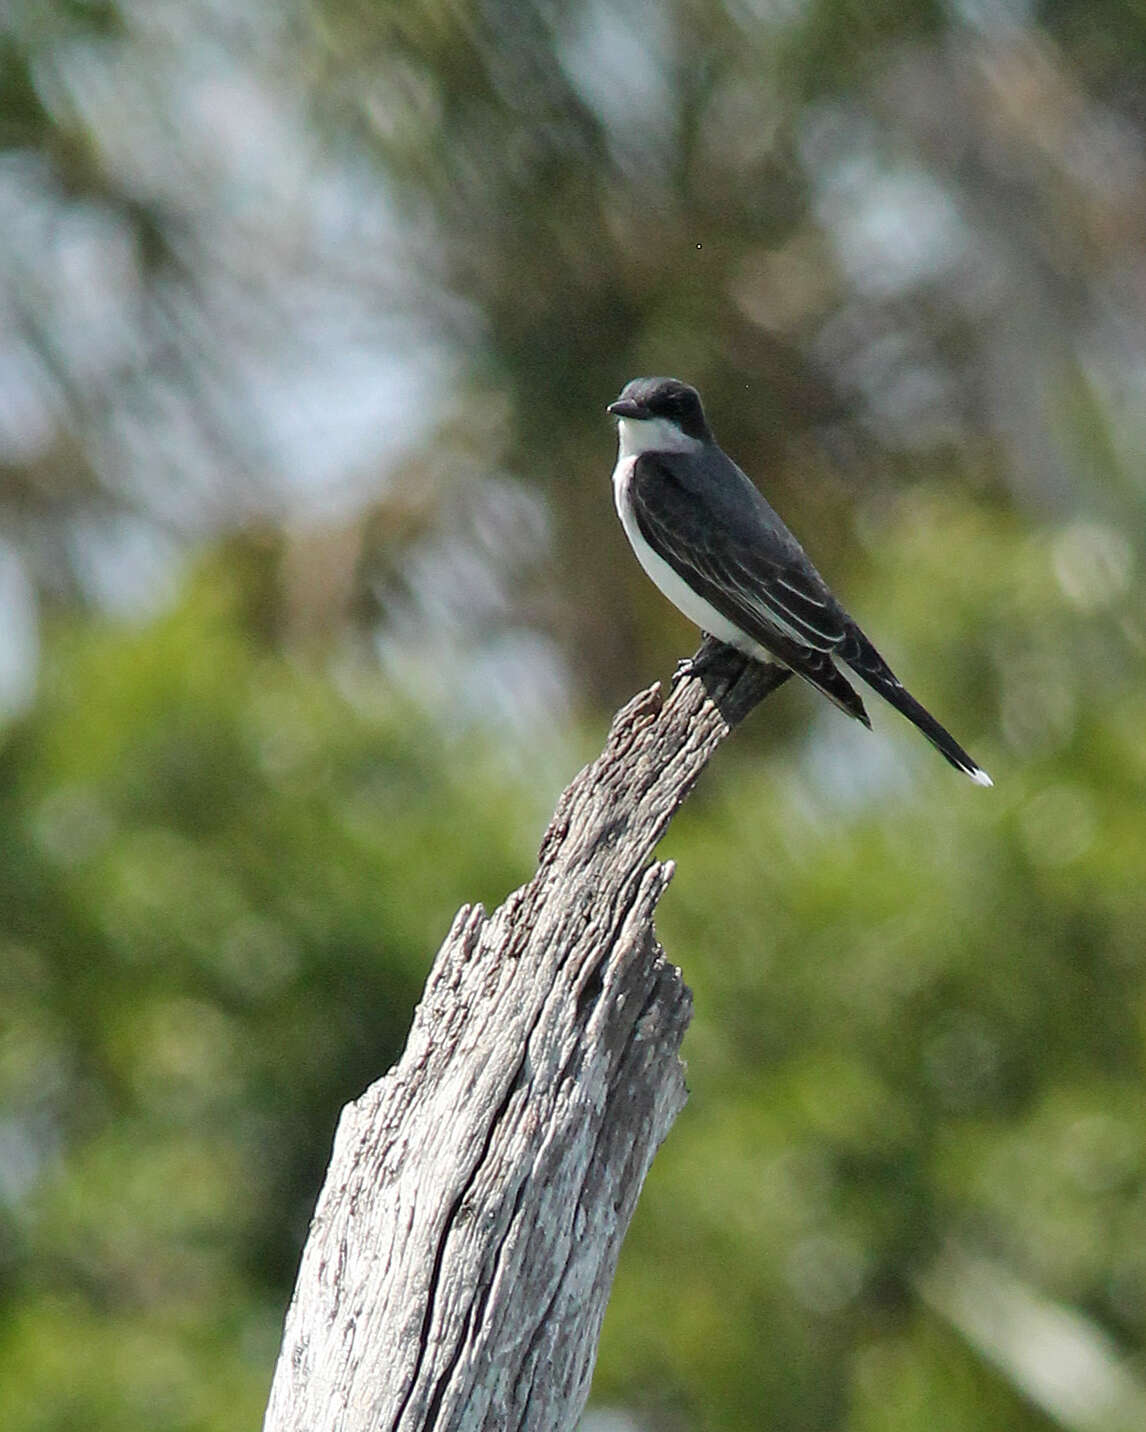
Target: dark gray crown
663,398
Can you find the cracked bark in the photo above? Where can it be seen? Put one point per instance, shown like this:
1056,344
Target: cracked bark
465,1239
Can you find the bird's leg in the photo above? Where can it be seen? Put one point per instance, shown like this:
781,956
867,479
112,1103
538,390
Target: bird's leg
693,665
712,655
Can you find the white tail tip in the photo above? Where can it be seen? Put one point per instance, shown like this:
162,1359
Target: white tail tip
980,777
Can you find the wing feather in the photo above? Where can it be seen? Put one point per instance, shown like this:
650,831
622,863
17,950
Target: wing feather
755,575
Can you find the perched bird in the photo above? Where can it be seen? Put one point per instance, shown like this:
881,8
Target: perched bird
718,551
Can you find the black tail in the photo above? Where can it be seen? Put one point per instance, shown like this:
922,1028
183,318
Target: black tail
867,663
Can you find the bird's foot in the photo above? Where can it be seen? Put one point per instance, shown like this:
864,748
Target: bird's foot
684,668
712,655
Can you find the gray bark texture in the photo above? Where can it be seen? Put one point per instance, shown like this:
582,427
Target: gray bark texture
465,1239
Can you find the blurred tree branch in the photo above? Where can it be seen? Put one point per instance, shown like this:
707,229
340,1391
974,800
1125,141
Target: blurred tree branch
465,1241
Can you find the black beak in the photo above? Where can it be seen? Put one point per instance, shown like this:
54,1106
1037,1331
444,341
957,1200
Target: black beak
626,408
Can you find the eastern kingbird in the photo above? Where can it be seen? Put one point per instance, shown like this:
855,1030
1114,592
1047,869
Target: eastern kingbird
718,551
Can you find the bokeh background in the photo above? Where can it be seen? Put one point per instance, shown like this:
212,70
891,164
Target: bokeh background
313,598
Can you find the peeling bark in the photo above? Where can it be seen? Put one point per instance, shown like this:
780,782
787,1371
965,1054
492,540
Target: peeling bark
465,1240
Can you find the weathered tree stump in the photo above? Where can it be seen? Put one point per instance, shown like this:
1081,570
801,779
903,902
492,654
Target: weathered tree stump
465,1240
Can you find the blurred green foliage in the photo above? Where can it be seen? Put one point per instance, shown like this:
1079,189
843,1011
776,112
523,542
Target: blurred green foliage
222,878
314,597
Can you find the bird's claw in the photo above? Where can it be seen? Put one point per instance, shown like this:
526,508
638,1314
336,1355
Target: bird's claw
711,653
685,668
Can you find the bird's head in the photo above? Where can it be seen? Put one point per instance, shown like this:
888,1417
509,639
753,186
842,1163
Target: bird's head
657,414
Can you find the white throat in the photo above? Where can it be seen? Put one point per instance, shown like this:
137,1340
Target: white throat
641,435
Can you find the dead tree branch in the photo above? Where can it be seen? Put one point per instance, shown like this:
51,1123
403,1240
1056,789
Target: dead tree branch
465,1240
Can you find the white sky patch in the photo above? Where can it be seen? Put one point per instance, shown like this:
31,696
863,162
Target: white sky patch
619,58
19,643
127,564
338,416
892,230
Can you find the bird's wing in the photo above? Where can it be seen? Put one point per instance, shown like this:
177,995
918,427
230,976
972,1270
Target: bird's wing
746,566
742,559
